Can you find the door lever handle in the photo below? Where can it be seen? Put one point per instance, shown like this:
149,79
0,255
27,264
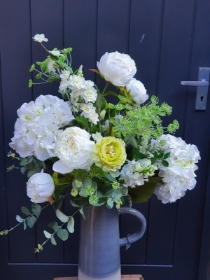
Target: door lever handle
202,87
202,83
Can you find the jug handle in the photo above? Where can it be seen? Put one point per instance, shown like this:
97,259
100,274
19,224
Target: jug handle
126,241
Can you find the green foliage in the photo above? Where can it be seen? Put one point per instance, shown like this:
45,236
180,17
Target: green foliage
30,83
61,216
54,226
70,225
100,102
31,165
32,68
83,122
143,121
63,234
25,210
31,221
36,209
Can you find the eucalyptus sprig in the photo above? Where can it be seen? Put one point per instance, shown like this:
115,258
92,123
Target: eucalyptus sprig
63,234
30,220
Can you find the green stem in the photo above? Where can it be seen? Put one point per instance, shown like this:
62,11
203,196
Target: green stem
105,88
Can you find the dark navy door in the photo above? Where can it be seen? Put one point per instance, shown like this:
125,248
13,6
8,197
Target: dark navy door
169,40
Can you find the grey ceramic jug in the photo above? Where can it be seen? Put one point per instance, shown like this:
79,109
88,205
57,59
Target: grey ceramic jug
99,253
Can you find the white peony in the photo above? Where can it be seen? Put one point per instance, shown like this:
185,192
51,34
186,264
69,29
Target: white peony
74,149
37,126
40,38
137,91
117,68
40,187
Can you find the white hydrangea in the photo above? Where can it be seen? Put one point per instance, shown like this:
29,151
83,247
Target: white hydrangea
135,173
37,126
179,176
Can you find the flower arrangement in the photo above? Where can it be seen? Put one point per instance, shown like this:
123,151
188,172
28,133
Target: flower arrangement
99,153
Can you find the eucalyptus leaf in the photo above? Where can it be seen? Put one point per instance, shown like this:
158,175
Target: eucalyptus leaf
63,234
52,239
61,216
74,204
70,225
47,234
82,213
19,219
110,203
24,225
31,221
25,210
54,226
36,209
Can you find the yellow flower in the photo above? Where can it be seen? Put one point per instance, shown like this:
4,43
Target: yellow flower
109,153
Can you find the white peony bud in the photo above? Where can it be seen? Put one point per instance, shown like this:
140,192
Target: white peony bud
40,187
137,91
117,68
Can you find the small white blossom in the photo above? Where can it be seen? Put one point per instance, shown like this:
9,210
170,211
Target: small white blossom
97,136
89,95
79,72
135,173
76,82
55,53
93,118
65,75
87,110
40,38
50,65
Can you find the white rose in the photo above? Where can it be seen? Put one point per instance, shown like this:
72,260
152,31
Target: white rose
40,187
137,91
117,68
74,149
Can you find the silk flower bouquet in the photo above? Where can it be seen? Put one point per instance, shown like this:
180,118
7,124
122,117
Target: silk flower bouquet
96,152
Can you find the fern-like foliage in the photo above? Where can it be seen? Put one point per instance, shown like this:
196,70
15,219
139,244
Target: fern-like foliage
144,121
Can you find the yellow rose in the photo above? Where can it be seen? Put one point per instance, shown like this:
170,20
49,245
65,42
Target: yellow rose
109,153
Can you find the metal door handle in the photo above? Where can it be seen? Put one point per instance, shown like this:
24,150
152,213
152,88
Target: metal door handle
202,83
202,87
